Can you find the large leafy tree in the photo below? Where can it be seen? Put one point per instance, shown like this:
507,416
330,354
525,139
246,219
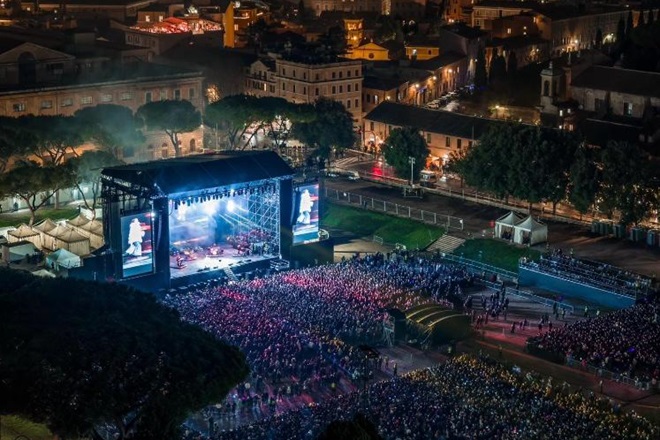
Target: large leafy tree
584,179
35,184
12,146
627,179
331,128
76,355
237,116
111,127
50,138
174,117
403,144
87,173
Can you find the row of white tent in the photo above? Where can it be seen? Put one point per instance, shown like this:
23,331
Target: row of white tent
523,230
79,235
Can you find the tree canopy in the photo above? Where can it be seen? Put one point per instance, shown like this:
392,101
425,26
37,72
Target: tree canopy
523,161
35,184
400,146
77,354
332,128
111,127
87,170
174,117
50,138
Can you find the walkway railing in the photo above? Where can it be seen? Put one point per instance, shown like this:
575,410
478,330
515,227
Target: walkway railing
540,299
482,267
404,211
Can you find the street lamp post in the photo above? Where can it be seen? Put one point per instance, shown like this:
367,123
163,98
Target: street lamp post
411,161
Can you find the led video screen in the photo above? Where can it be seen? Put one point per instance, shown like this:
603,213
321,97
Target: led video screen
137,236
306,214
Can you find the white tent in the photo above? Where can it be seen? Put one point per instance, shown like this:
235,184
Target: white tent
93,230
62,259
24,233
45,225
72,241
49,237
79,220
505,224
530,232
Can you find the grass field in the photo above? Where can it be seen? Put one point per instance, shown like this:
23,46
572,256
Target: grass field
16,218
496,253
13,426
392,229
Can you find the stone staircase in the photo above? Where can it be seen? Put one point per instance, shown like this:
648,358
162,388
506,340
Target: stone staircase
231,276
446,244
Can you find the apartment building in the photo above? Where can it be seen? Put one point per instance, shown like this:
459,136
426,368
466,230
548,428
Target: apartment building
304,80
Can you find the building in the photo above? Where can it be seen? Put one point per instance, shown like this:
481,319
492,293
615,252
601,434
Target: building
422,48
445,132
319,6
378,89
369,51
305,80
42,81
528,49
458,10
114,9
462,39
616,91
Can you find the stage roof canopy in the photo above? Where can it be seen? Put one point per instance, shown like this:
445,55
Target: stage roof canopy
198,172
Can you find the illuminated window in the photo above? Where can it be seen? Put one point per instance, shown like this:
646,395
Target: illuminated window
46,104
126,96
19,107
508,31
67,102
86,100
106,97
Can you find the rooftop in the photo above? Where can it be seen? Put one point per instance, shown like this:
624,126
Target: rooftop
464,31
202,171
380,83
632,82
434,121
115,72
438,62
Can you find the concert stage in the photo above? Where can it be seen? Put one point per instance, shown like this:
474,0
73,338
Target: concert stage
174,221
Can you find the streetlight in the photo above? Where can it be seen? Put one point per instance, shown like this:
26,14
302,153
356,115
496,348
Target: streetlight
411,161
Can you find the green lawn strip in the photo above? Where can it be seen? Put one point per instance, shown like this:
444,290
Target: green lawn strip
14,219
14,426
411,233
496,253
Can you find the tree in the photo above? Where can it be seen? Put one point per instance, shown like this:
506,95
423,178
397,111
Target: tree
389,29
599,39
584,180
400,146
280,115
174,117
235,116
87,170
332,128
35,184
512,64
480,75
650,19
112,128
50,138
105,355
333,42
497,68
626,182
12,146
620,32
629,25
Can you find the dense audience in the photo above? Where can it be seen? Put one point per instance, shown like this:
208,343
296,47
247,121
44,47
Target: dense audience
625,342
466,398
300,329
599,275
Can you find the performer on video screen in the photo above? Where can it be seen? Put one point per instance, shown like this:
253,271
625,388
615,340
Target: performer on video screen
135,236
305,207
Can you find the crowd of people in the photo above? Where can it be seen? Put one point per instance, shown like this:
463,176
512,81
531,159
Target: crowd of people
626,342
600,275
467,397
300,330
